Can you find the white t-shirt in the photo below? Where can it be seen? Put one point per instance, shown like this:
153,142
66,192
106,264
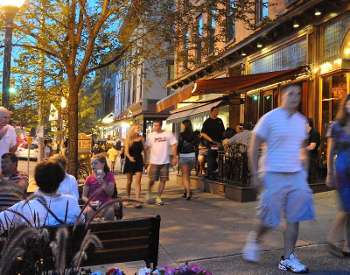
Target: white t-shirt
8,141
59,205
69,186
159,144
284,135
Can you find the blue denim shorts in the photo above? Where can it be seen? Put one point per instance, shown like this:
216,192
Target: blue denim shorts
190,161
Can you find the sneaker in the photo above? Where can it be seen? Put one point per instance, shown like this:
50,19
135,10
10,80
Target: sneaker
251,250
159,201
292,264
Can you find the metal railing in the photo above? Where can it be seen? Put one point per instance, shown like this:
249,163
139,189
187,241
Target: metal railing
233,165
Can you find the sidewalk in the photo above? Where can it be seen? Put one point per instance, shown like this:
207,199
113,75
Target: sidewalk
211,230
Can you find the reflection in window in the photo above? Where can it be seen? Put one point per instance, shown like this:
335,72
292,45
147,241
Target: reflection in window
200,32
262,10
230,20
252,111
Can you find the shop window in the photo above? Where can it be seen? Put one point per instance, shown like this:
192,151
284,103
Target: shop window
267,103
186,41
334,89
211,29
252,108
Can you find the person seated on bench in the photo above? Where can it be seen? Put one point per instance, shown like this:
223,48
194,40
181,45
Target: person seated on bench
69,185
13,184
64,209
100,187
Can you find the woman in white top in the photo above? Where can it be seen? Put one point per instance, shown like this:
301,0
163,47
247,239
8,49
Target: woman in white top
48,207
8,137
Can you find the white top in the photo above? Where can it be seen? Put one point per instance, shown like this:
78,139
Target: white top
159,144
284,135
8,141
59,205
69,186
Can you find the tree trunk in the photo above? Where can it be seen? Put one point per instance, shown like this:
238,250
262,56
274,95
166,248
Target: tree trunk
73,164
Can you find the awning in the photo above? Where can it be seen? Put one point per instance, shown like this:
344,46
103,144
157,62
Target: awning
229,85
194,110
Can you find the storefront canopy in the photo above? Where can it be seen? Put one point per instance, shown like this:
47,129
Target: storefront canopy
228,85
192,110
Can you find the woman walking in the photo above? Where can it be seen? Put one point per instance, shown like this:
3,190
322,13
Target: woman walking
134,160
338,165
188,143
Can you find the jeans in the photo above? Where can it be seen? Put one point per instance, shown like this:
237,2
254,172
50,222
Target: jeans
212,162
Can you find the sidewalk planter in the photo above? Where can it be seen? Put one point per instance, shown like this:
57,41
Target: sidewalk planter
240,193
216,187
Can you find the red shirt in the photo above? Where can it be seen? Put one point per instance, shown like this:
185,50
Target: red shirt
94,185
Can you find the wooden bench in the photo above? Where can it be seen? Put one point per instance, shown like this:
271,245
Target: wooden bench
122,241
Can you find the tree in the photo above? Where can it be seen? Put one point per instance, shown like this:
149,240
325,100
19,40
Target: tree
87,110
76,37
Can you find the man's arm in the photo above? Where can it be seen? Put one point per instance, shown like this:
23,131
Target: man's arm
253,153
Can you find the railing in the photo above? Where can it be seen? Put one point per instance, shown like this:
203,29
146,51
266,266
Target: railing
233,165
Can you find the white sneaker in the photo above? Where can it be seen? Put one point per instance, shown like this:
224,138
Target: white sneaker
159,201
251,250
292,264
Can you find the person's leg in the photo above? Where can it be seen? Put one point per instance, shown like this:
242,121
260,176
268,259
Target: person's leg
336,228
128,184
153,174
185,168
112,166
290,238
164,177
211,162
138,176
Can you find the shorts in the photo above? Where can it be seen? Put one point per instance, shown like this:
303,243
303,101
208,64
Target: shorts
188,161
158,172
288,194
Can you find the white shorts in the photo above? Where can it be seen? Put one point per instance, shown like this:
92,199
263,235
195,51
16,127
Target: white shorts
285,194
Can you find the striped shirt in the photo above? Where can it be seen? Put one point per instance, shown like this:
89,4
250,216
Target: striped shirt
284,136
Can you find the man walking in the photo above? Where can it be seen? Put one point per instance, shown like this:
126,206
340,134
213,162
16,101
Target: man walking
213,132
157,147
8,137
284,178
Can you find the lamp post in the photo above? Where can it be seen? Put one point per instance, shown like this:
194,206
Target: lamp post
9,9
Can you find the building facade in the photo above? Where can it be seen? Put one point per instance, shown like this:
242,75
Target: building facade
304,42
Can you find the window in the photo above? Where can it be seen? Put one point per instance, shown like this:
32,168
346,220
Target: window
211,29
186,41
171,71
199,38
262,10
134,87
230,20
252,108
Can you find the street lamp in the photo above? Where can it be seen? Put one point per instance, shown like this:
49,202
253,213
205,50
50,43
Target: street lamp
9,8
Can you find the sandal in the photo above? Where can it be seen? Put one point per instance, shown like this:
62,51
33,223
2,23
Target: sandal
335,250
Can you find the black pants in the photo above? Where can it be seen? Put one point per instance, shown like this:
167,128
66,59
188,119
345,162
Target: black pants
212,163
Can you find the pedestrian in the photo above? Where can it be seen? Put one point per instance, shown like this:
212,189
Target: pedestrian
313,143
134,161
8,137
187,146
243,137
284,177
213,132
157,148
112,155
99,188
47,149
13,184
69,185
338,167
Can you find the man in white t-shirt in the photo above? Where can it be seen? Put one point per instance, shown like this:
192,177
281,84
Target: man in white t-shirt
8,137
283,174
69,185
157,148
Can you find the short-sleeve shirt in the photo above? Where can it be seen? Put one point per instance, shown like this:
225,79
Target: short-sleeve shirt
341,138
159,144
94,186
8,141
69,186
214,128
284,135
